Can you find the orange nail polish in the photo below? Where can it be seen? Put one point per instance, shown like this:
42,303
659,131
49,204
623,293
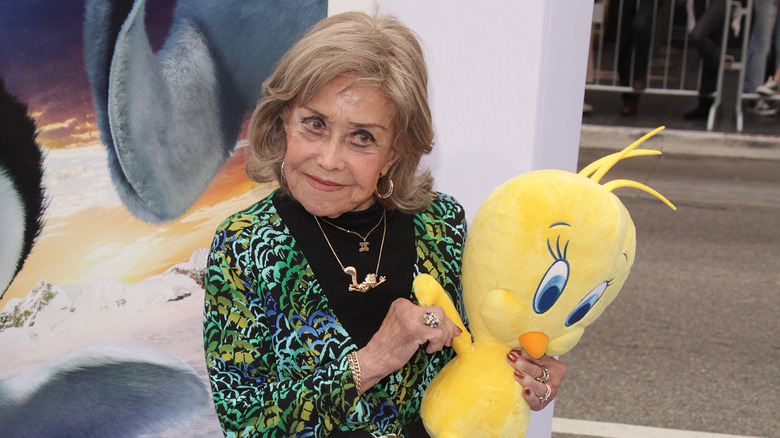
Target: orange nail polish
518,374
512,358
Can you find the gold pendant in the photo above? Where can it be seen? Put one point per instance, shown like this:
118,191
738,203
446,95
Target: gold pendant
369,283
363,246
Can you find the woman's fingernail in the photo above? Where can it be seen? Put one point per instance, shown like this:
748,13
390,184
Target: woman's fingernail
527,391
518,374
512,358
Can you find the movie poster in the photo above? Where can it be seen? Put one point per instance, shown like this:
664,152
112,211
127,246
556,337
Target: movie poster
110,296
100,286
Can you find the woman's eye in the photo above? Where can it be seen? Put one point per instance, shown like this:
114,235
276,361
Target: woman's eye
314,124
361,138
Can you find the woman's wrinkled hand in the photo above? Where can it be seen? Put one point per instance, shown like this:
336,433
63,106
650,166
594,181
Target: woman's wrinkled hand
539,386
403,330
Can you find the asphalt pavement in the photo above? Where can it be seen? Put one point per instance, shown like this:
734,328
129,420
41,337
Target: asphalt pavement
691,345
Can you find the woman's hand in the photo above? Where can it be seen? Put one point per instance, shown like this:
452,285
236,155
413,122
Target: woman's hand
402,332
529,372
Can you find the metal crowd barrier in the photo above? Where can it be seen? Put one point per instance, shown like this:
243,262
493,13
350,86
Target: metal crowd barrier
674,66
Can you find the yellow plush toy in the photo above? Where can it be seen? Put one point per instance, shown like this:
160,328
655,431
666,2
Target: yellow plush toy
546,253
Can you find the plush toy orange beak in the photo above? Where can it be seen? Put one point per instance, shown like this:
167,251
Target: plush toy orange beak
534,343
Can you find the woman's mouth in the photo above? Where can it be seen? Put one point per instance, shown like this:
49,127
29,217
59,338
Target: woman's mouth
324,185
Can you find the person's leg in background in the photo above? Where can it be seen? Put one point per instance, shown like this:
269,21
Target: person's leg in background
706,37
770,87
625,56
765,23
636,31
764,19
642,27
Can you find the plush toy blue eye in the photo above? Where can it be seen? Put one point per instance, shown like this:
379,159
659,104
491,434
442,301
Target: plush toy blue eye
586,304
551,286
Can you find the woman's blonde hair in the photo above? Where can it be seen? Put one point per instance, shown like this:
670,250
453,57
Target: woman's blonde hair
379,51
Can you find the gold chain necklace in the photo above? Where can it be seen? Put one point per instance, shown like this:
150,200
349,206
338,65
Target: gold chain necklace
371,280
364,243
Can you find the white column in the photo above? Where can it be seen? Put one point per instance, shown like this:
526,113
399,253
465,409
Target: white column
507,80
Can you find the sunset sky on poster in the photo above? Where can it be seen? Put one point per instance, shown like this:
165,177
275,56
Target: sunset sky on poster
89,235
42,63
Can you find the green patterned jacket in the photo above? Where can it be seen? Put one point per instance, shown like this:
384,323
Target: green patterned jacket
275,352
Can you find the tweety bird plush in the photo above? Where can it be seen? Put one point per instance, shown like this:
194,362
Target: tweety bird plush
546,253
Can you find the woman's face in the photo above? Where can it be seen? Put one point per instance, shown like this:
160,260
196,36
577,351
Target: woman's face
338,144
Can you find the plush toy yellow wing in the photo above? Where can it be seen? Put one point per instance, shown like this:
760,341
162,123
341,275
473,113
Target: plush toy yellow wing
546,253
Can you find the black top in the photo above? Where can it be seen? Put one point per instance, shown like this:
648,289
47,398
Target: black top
360,314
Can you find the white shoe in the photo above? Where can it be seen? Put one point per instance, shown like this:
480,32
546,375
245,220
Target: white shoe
763,108
769,88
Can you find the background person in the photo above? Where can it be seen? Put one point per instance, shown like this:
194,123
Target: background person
706,37
634,50
765,24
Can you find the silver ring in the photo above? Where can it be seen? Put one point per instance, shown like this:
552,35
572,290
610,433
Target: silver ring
431,320
545,376
546,395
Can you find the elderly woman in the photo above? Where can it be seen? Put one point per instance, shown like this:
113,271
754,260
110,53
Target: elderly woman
311,326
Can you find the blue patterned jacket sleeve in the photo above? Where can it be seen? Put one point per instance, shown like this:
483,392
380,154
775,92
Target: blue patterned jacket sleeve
253,395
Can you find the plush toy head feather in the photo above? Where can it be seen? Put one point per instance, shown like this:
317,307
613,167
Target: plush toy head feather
546,253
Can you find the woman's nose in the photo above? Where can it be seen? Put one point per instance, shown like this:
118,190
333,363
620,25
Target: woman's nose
329,157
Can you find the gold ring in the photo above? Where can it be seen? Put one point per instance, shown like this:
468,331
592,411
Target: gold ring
431,320
546,395
545,377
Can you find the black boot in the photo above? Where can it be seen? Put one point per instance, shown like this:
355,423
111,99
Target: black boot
702,111
630,101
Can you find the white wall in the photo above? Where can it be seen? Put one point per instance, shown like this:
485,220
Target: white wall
507,81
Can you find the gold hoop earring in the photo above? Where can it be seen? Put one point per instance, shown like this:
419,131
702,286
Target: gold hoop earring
284,177
389,190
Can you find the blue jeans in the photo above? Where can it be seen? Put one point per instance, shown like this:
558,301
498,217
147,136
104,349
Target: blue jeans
765,22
